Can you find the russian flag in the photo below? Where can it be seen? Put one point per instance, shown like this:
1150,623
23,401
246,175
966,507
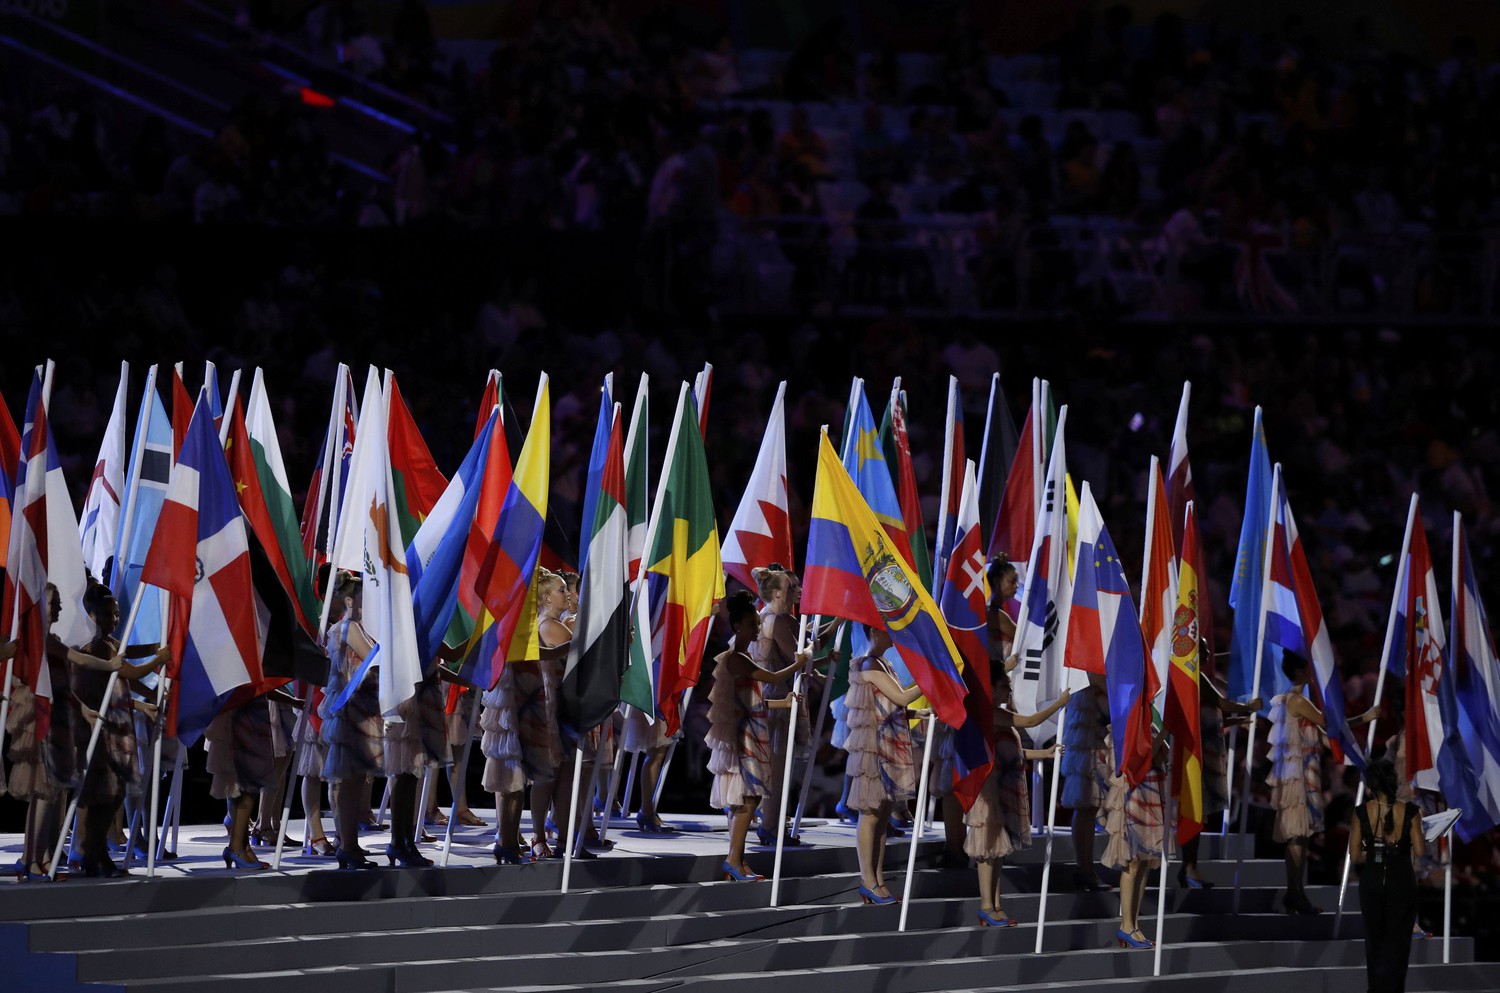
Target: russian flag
964,601
1476,677
1104,636
201,556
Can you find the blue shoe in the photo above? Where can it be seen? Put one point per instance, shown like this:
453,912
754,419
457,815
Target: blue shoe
1129,939
739,874
870,896
233,860
988,918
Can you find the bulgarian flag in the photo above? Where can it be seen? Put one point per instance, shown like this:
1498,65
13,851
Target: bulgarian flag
681,577
1182,715
419,484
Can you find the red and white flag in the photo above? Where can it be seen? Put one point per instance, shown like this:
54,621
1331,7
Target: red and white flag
100,526
761,532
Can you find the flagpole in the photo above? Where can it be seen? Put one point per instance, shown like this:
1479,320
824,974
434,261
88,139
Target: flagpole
463,773
162,689
786,777
1161,887
172,808
1385,654
1041,917
1260,651
572,831
916,829
229,398
1448,899
635,765
817,738
614,785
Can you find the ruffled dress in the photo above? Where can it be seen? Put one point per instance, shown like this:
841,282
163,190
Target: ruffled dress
1296,776
499,739
241,750
40,770
311,753
880,766
738,738
521,740
354,736
1087,761
112,774
1000,820
1135,818
420,739
641,735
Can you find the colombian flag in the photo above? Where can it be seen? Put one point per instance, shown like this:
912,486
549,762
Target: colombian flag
505,579
855,573
1182,719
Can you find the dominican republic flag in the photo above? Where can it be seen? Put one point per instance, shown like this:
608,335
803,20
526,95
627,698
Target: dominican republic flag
952,489
1104,636
145,490
964,603
1248,585
1294,620
600,648
1179,495
43,548
370,542
1158,584
101,507
761,532
997,450
1042,629
201,556
1476,678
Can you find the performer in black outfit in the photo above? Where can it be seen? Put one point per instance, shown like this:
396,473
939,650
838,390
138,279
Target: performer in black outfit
1385,840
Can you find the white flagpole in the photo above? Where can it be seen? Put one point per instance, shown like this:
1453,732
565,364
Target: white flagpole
463,773
1260,651
229,398
572,831
172,808
916,829
1448,900
162,692
1385,653
1041,916
422,798
786,778
817,739
614,785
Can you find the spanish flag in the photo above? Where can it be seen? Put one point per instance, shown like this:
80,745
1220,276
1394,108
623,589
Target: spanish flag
681,577
854,572
1182,694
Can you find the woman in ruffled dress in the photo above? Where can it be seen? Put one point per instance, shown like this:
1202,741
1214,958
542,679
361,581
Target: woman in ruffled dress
353,734
1296,777
999,822
739,738
880,768
1087,767
774,648
1136,818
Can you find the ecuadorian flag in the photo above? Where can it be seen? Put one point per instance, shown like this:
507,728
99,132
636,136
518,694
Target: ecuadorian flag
854,572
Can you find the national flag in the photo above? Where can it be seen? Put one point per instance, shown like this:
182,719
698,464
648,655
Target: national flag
201,557
1417,654
1245,590
493,489
145,490
950,495
10,457
897,450
1179,494
964,601
997,451
1294,620
100,527
321,512
1476,677
761,532
43,547
864,459
1104,636
215,401
637,484
370,541
506,581
488,400
855,572
1012,531
702,389
601,638
1158,582
1182,718
418,482
681,577
182,410
436,555
1042,628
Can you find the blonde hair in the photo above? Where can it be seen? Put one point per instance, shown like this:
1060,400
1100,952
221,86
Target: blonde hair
547,582
770,580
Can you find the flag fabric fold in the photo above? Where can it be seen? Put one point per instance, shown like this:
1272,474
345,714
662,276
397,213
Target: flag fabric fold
897,449
145,490
1182,717
949,497
1245,589
864,460
964,602
1042,628
1476,675
761,531
997,452
1159,581
100,526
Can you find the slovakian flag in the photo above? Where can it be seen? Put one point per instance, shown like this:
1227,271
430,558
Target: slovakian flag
1104,636
681,577
964,601
1183,717
897,449
418,482
1158,582
1179,495
43,547
201,556
324,503
1476,678
854,572
601,640
1247,587
761,532
864,460
997,452
950,495
1294,620
371,543
1013,531
100,526
1042,628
